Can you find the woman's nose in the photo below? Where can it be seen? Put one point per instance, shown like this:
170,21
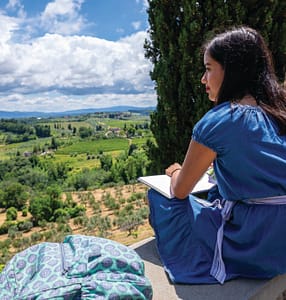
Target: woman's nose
203,79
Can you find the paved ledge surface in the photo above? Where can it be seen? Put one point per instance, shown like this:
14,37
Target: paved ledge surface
239,289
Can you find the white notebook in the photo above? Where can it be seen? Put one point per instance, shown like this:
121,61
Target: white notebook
161,183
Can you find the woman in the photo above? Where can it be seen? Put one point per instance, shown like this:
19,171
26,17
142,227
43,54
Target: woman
241,233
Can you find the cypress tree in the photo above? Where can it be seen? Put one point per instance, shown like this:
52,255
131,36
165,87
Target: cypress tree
177,31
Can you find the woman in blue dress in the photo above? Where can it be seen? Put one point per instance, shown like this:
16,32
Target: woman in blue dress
240,230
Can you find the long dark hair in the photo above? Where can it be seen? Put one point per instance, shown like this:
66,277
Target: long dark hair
248,70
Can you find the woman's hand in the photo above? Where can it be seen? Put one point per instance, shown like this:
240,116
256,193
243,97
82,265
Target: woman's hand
172,169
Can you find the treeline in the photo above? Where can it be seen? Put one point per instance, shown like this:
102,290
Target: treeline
17,131
21,131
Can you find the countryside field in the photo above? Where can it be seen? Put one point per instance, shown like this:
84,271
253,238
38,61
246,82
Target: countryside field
115,210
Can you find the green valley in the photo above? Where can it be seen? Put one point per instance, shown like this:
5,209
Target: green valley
75,174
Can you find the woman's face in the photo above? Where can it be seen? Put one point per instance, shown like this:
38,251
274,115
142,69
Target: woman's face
213,76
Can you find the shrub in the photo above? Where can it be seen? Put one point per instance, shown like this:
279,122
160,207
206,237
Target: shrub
11,214
24,212
76,211
6,225
25,226
61,213
13,232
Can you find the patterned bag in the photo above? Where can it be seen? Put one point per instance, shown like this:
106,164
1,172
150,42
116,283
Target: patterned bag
82,267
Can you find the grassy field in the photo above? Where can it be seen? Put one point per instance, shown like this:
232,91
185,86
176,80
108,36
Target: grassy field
10,150
84,154
94,147
70,143
122,123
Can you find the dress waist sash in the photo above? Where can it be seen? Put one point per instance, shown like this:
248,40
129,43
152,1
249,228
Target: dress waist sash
218,267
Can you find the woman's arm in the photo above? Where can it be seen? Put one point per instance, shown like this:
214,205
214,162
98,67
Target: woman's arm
196,163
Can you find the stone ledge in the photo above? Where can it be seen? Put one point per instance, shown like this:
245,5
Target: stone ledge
239,289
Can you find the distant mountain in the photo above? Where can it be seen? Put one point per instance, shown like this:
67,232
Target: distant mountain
36,114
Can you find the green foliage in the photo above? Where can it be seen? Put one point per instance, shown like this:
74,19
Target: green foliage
31,181
76,211
13,194
40,208
25,226
130,222
177,30
13,232
110,202
54,191
103,225
24,212
129,168
171,49
43,206
54,143
11,214
85,132
122,169
61,215
20,170
15,126
268,16
105,161
18,131
88,179
6,225
35,178
36,237
103,145
57,172
43,131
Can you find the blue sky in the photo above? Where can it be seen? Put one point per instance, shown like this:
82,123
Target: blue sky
72,54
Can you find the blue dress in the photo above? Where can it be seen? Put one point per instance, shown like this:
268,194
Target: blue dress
250,163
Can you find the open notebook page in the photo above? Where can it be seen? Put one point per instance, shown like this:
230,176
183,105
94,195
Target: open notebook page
161,183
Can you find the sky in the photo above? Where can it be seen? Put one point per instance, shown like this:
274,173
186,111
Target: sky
64,55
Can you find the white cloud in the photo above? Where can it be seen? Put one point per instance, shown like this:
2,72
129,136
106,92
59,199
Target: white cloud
16,5
136,25
62,8
57,71
8,25
77,65
55,102
82,62
62,16
12,3
144,3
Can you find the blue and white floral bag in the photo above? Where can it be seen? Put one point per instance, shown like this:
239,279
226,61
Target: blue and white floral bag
82,267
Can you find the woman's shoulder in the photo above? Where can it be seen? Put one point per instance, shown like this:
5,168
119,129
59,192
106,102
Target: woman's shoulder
212,126
226,122
219,111
228,113
217,116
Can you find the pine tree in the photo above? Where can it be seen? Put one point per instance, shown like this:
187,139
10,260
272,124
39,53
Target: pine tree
177,31
269,17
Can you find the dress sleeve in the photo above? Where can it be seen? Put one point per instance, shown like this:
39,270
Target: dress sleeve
214,129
